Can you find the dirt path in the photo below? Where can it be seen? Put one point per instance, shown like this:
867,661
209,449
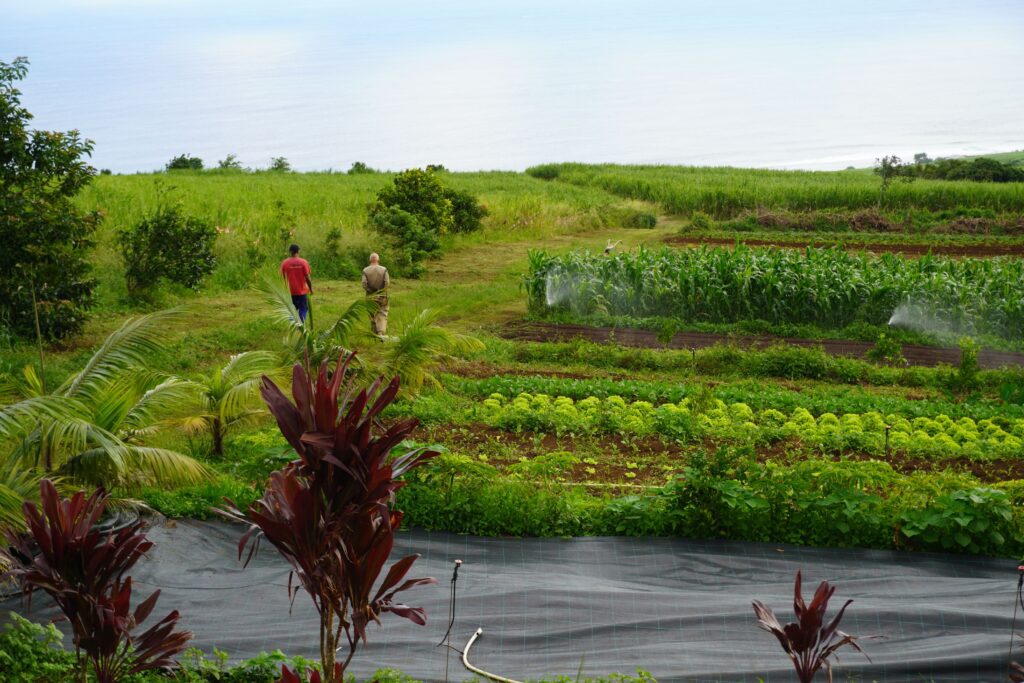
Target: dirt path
966,250
916,355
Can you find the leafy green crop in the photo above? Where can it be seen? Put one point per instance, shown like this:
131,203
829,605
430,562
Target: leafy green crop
684,421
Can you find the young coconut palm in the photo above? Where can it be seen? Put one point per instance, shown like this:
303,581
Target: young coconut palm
414,355
411,356
303,342
93,428
229,396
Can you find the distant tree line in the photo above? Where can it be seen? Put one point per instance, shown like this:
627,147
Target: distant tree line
187,162
981,169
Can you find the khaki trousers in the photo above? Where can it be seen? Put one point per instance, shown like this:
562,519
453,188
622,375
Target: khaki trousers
379,320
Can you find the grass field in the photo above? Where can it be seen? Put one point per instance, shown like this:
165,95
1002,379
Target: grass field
724,192
540,465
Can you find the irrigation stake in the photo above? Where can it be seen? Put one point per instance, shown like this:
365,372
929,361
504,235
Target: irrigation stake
446,640
887,428
1018,600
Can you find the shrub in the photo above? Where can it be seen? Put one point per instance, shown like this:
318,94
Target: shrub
421,195
45,238
168,245
84,571
30,652
407,232
184,162
810,642
330,513
359,167
230,163
975,521
437,208
467,213
700,221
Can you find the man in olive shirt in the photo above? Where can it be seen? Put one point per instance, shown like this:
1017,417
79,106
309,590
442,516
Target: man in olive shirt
375,284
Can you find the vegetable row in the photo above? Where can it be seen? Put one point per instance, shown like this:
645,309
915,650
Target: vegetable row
689,420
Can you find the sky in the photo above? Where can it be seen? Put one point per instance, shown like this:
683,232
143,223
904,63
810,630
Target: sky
487,84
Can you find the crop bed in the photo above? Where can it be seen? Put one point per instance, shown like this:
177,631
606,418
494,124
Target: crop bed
914,354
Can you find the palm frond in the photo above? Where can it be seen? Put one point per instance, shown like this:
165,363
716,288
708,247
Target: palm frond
17,484
344,331
26,415
133,344
238,399
161,403
243,366
141,466
421,345
298,336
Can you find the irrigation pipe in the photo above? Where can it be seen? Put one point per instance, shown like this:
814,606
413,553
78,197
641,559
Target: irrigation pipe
481,672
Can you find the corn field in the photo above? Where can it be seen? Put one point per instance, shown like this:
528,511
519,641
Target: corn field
826,287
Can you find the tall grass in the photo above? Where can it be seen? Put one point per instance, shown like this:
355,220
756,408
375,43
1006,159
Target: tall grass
259,214
724,192
827,287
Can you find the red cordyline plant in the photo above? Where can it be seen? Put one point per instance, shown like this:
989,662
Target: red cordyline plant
809,642
329,512
84,570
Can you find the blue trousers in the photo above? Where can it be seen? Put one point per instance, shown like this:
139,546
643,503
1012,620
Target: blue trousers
301,303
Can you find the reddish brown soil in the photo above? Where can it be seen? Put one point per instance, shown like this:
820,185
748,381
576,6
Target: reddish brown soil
474,439
988,471
481,370
976,250
915,355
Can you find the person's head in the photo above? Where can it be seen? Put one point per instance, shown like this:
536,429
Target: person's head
293,250
374,259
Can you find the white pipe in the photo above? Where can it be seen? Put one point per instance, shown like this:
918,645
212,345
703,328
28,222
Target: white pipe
465,662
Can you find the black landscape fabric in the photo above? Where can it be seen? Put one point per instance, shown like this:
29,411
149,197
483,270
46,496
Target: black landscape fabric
677,608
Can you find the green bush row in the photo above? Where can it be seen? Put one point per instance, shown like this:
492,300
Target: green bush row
728,494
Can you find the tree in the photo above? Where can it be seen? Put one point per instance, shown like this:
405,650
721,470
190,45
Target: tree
230,163
45,274
889,168
229,396
280,165
921,158
184,162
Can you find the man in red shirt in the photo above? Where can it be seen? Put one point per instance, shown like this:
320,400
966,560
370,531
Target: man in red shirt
296,271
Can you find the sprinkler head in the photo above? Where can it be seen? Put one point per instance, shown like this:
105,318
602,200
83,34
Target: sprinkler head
458,563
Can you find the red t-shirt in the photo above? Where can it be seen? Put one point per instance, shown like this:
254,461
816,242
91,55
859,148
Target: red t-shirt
296,270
